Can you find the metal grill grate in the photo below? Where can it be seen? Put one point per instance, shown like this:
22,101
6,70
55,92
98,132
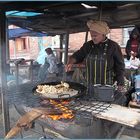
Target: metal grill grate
88,107
85,108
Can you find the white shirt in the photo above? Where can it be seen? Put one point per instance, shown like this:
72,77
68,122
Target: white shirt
52,60
134,62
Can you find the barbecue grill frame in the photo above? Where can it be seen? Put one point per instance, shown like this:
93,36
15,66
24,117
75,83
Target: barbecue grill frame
32,101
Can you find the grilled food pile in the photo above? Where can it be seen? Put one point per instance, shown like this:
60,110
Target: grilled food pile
56,90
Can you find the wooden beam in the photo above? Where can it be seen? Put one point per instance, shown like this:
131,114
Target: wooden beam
85,14
66,48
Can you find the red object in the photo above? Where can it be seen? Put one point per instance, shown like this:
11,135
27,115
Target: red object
134,45
79,65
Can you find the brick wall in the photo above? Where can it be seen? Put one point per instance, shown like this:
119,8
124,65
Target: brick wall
76,40
32,50
33,46
116,35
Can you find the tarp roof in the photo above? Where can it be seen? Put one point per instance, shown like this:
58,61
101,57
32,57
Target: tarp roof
20,32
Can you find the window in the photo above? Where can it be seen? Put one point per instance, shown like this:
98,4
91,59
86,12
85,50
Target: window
20,44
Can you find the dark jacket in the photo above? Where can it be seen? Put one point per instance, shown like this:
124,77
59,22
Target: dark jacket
114,57
128,45
128,50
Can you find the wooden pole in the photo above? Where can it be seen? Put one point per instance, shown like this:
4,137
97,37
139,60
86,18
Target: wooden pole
61,47
86,37
66,48
5,107
100,12
7,42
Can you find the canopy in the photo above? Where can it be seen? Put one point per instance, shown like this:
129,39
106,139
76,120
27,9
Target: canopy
60,17
19,32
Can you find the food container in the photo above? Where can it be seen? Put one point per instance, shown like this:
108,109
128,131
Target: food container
103,93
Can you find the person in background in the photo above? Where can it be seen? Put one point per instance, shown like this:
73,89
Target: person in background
133,44
104,59
20,61
134,61
49,67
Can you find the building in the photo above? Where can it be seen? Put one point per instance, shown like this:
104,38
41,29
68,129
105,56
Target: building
31,47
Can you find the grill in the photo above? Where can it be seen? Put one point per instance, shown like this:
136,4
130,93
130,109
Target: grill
84,124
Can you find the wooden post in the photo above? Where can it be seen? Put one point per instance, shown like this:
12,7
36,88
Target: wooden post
66,48
7,42
17,74
86,37
5,107
31,66
61,47
7,48
100,12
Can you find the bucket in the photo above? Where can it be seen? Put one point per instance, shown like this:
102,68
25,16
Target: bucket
104,93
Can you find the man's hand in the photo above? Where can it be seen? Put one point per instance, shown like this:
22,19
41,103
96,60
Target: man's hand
70,63
68,67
